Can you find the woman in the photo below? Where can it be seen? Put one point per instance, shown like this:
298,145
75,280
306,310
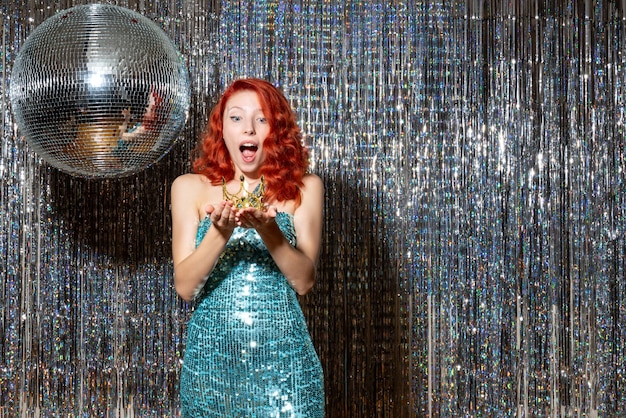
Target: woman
246,231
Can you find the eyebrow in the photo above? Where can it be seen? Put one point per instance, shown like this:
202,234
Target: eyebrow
228,109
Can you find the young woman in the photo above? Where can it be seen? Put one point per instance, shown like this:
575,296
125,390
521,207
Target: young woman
246,231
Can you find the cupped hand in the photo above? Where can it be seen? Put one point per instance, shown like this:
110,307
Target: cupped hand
222,215
255,218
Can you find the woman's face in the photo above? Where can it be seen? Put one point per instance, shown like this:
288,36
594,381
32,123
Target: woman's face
245,128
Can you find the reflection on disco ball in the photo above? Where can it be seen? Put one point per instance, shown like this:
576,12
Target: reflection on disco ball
99,91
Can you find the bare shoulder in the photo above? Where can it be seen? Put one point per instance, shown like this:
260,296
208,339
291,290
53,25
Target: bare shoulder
313,183
189,182
312,195
190,192
308,216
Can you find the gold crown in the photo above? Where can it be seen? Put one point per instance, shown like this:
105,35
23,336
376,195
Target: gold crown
247,199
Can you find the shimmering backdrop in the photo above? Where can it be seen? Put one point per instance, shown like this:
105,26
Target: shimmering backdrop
474,249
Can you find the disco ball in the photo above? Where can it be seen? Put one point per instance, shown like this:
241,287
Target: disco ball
99,91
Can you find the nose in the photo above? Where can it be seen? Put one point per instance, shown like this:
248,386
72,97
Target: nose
249,129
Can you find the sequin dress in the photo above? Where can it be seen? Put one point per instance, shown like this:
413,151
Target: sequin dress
248,351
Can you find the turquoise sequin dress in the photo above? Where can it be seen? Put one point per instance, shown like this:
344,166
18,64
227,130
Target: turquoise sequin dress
248,351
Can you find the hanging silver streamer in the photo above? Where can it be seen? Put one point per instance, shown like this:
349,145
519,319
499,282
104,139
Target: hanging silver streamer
473,255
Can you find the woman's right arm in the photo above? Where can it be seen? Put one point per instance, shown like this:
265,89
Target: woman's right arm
193,265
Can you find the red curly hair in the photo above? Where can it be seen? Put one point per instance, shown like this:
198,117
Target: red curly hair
286,159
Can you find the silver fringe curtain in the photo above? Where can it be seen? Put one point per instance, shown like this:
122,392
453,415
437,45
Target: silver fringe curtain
474,250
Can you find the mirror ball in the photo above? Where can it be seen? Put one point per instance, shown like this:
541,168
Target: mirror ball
99,91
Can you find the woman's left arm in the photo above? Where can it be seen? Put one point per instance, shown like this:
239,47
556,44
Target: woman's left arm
298,263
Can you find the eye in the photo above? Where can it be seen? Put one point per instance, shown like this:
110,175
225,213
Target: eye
235,118
262,119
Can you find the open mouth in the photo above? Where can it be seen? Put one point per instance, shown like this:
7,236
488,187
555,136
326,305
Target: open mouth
248,151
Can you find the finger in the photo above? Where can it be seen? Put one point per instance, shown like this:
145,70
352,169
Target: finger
244,219
272,211
254,214
218,213
229,214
